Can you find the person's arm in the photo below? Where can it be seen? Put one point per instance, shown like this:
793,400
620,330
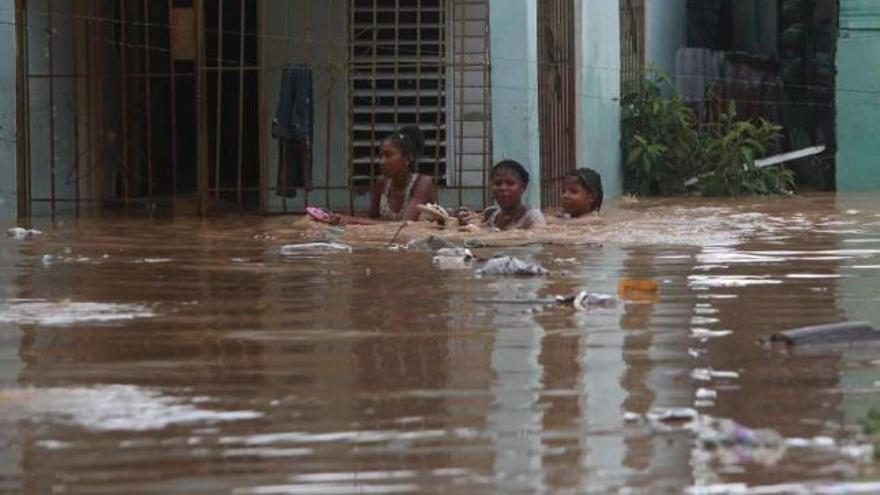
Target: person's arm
373,219
423,193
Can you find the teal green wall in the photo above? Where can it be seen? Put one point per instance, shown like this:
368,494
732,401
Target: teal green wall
858,95
8,176
599,90
514,48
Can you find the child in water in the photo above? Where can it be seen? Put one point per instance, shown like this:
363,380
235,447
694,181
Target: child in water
509,182
582,194
397,194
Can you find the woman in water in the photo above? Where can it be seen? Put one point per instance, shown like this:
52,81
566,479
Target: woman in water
509,182
397,194
582,195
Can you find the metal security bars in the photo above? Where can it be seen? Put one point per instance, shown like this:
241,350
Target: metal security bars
632,40
425,63
165,106
397,78
556,95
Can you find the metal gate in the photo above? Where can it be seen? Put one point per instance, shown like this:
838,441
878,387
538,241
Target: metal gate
632,41
113,102
556,95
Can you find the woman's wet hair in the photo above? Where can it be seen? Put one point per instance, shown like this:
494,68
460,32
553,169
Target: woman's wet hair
511,166
410,141
592,181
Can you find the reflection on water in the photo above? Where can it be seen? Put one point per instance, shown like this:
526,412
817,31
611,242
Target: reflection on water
188,356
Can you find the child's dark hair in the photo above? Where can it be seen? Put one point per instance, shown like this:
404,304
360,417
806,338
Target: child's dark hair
511,166
592,181
410,141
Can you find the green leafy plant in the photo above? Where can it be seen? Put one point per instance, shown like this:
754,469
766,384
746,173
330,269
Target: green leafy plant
665,145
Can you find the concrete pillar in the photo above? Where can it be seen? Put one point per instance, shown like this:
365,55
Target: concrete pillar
8,162
858,96
599,91
514,48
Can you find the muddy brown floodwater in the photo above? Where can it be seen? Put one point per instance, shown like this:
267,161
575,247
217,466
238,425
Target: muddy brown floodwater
187,356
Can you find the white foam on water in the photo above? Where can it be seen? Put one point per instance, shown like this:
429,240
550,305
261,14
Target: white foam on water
64,313
109,408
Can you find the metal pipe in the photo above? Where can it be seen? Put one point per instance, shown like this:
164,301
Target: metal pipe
241,107
51,57
173,81
149,101
263,94
123,83
23,115
219,106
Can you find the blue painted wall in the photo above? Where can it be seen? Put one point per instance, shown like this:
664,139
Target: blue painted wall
858,95
514,47
600,92
8,177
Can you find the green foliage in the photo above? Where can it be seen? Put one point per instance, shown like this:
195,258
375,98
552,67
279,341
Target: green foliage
871,426
665,145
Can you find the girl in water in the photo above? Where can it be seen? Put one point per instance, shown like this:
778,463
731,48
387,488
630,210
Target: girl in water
397,194
582,195
509,182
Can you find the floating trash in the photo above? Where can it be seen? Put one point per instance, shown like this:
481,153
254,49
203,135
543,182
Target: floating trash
836,333
508,266
634,290
430,244
20,234
586,300
708,374
314,248
453,258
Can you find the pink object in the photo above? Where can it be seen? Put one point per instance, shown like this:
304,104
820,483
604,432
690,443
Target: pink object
319,214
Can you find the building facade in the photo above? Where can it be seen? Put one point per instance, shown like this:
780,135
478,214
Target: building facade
155,106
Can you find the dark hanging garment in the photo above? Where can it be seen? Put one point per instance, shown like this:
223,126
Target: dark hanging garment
293,126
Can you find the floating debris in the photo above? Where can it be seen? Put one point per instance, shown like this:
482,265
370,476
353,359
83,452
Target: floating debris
20,234
314,248
430,244
508,266
453,258
836,333
672,415
708,374
702,333
586,300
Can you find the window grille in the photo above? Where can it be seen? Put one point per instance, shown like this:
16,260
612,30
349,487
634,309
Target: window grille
632,40
397,77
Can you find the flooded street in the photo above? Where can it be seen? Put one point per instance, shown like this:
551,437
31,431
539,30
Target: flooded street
190,356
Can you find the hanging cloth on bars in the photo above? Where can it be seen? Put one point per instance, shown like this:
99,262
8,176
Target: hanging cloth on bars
293,127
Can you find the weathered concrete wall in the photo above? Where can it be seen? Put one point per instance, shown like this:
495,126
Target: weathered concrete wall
8,176
514,47
665,32
599,92
858,95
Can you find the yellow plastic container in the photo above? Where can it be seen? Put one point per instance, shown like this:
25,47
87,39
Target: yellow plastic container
635,290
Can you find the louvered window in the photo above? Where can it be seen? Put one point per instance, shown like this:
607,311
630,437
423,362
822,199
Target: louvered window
397,78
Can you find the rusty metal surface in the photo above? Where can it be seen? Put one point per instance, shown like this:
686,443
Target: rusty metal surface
556,95
168,102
